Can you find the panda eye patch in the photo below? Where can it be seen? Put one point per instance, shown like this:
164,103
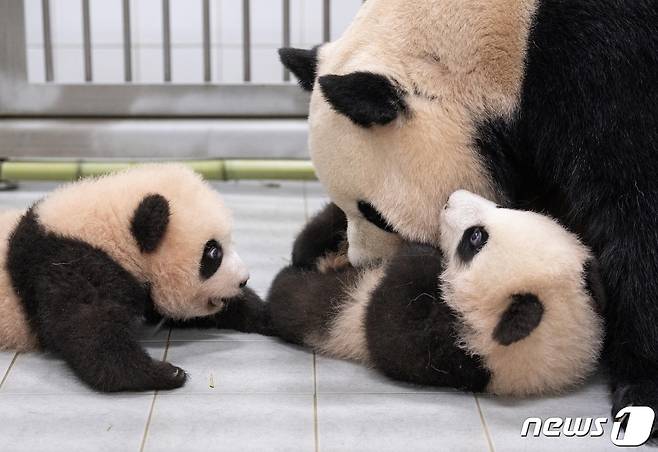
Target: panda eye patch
371,214
211,259
473,240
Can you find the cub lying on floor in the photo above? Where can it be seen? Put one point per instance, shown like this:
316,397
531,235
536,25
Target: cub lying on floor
509,305
83,264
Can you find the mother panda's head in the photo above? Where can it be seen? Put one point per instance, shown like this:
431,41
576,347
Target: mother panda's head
395,106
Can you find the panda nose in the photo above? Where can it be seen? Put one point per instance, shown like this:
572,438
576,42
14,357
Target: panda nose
244,283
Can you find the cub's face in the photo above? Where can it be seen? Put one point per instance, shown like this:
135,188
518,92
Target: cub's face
187,254
524,287
395,107
492,250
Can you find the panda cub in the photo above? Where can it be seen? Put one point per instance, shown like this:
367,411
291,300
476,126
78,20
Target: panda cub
510,304
82,265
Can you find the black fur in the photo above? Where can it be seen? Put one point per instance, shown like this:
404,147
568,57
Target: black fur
246,313
583,146
594,284
373,215
211,259
149,222
366,98
302,63
520,319
303,302
466,250
412,333
324,233
82,306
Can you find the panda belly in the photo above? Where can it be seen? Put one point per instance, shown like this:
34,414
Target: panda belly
15,331
346,337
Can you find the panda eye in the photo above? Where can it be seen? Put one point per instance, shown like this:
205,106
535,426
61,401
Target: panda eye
476,237
211,259
472,242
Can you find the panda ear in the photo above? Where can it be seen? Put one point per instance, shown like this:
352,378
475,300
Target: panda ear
149,222
522,316
302,63
364,97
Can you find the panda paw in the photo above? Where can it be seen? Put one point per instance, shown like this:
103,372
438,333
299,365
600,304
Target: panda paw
168,376
643,393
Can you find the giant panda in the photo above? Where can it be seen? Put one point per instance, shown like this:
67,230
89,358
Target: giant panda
82,265
509,304
548,105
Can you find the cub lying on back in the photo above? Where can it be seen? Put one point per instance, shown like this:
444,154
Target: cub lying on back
509,305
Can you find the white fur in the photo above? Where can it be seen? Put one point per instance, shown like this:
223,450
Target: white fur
347,333
99,211
525,253
15,332
459,62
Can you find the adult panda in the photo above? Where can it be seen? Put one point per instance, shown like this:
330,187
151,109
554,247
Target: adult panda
546,104
82,265
509,304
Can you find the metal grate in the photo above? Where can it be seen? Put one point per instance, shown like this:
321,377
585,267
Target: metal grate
49,58
65,108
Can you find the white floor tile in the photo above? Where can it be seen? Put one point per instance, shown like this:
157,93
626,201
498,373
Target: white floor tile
266,221
243,367
5,361
399,422
42,373
213,334
245,423
504,419
153,333
72,422
338,376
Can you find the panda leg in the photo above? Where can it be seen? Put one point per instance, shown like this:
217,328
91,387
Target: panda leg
628,269
97,340
323,234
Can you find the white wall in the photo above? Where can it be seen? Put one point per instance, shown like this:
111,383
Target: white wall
186,30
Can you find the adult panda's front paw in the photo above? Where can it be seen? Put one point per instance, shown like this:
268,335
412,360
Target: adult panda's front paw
643,393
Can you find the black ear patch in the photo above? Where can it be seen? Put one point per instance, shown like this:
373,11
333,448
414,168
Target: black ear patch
522,316
364,97
301,62
149,222
594,284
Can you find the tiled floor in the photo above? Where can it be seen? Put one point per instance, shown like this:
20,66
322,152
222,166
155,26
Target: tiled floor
252,393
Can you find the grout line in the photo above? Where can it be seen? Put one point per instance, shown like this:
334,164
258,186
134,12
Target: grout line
315,406
487,435
11,364
155,394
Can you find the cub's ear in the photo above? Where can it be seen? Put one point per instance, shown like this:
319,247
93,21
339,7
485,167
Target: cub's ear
364,97
302,63
149,222
522,316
